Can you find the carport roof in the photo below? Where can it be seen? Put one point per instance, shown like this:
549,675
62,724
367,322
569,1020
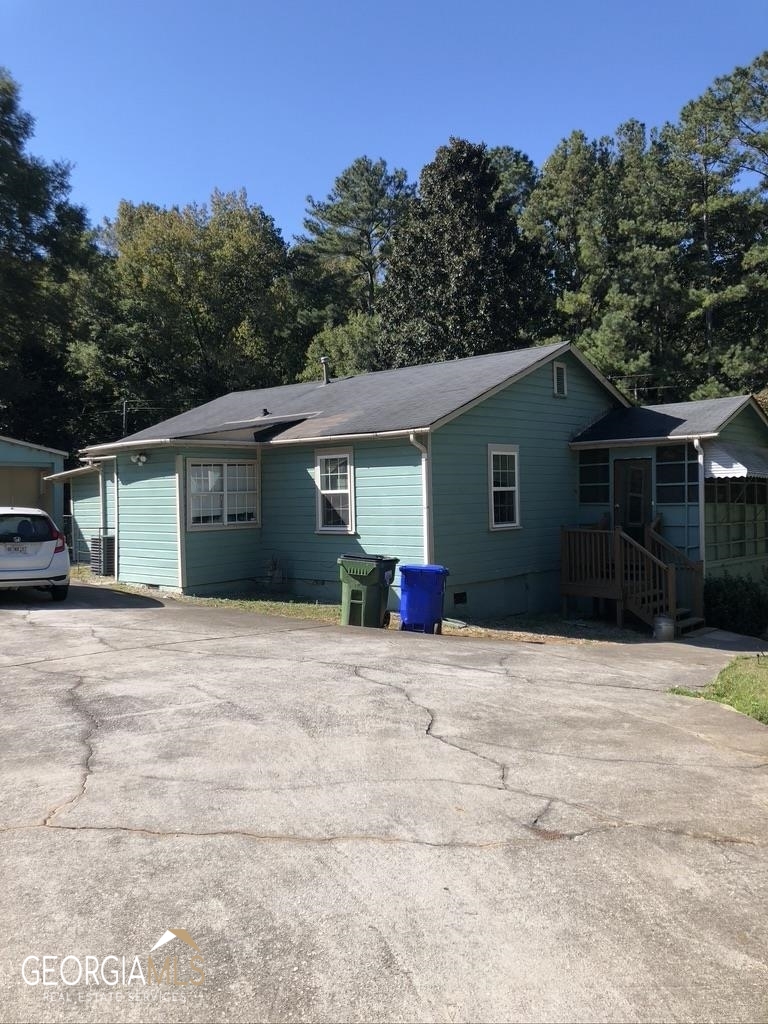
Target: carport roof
28,444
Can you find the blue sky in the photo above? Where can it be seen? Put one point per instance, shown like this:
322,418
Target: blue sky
164,101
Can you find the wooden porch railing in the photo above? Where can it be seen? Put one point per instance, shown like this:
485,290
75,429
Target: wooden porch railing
689,574
610,564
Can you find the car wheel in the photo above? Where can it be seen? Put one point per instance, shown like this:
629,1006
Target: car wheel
60,593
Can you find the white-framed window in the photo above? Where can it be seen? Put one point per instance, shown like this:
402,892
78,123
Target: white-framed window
222,494
560,380
503,486
335,481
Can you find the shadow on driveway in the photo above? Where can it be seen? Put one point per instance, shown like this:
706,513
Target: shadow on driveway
79,597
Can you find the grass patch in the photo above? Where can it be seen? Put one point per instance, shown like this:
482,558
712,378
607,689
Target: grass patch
743,685
246,603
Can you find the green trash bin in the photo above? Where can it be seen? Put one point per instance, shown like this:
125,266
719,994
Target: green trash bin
365,581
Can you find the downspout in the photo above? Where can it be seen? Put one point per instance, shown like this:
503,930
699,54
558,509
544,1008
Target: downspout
102,498
702,520
426,495
117,523
102,460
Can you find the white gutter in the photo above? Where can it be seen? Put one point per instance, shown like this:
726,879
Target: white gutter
165,442
68,474
192,442
426,494
639,442
702,520
328,439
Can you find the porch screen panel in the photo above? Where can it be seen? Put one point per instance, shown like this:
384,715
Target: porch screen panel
594,477
736,514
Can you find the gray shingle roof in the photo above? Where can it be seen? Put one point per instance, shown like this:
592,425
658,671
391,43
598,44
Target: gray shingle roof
678,419
372,403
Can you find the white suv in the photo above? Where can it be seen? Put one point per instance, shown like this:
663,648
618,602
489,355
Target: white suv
33,552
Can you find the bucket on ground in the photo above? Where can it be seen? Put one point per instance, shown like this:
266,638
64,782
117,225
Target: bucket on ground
663,628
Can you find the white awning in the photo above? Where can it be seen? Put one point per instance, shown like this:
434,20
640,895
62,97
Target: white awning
68,474
722,461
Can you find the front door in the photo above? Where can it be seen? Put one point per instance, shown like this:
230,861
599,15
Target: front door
632,496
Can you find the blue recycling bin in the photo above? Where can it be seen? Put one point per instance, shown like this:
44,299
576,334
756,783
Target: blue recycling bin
421,597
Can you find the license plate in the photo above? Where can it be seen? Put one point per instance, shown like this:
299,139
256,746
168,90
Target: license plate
16,549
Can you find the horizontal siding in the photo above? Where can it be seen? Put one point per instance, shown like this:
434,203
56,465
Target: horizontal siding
229,555
747,428
86,514
529,415
388,510
148,534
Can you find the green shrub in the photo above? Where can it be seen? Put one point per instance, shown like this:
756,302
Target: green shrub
737,603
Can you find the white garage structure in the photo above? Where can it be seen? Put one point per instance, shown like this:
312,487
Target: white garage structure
23,468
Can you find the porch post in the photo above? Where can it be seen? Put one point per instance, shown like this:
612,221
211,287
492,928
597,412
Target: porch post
702,518
618,568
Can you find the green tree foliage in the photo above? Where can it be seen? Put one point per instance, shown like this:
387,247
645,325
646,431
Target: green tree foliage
605,211
658,256
42,245
739,102
351,229
719,147
648,249
459,280
189,304
352,347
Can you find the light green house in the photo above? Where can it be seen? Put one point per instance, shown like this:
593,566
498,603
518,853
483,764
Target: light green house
476,464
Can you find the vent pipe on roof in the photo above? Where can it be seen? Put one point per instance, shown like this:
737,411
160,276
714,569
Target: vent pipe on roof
325,362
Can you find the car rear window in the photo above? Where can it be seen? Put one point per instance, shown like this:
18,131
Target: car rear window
15,527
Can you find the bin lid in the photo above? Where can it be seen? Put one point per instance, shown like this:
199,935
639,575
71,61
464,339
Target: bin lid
365,558
434,570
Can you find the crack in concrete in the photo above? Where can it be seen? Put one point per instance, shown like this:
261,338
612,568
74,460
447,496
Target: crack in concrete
361,837
607,822
432,718
623,760
545,809
276,837
87,740
319,786
157,646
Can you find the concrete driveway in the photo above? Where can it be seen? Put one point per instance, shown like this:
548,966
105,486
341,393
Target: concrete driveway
364,825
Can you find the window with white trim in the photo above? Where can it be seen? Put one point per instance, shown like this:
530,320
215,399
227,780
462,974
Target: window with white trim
503,486
560,380
334,477
222,494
